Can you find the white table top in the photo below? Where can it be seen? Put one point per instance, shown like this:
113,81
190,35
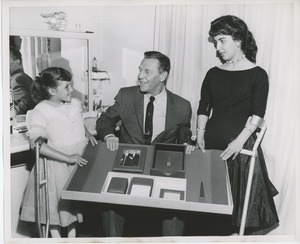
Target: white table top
19,142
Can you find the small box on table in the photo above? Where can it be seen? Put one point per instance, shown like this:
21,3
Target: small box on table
118,185
167,188
140,186
168,160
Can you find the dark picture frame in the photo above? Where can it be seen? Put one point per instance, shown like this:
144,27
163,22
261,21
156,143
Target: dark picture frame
168,160
130,158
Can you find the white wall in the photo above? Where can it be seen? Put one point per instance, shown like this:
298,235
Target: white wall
121,35
125,34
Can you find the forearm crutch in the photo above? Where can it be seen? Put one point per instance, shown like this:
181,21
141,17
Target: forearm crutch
253,154
41,183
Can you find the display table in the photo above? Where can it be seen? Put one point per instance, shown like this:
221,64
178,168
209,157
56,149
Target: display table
207,182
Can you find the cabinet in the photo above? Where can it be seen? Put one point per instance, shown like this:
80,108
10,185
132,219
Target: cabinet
21,165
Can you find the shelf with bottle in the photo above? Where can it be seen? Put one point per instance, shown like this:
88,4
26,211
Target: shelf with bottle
98,74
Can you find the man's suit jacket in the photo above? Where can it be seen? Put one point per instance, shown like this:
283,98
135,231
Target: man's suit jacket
129,108
20,84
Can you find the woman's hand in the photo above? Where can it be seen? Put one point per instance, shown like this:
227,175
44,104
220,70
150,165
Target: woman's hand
200,140
77,159
233,148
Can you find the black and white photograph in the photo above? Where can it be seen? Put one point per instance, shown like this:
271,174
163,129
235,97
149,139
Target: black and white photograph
91,88
130,159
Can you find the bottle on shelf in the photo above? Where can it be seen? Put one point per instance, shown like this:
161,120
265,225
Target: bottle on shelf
94,65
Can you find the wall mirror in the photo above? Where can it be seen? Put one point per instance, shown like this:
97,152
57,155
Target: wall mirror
43,49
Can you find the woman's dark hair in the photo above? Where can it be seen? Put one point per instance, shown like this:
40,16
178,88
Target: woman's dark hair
49,78
237,28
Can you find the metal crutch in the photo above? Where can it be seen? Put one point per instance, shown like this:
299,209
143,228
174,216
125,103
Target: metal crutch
253,154
41,182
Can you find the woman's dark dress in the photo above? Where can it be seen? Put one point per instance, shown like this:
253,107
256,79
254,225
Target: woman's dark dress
233,96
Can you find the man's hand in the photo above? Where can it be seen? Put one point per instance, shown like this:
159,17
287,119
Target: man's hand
189,148
112,143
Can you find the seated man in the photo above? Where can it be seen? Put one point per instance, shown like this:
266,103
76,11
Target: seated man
20,84
149,114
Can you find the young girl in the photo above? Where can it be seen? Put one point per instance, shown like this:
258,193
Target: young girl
57,119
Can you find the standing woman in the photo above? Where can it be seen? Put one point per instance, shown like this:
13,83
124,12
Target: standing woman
233,103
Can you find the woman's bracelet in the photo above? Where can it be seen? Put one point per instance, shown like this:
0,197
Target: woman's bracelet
200,128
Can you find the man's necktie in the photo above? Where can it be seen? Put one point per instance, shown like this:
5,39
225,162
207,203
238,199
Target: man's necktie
149,121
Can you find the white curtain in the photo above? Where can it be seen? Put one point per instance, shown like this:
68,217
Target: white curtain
181,32
35,55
